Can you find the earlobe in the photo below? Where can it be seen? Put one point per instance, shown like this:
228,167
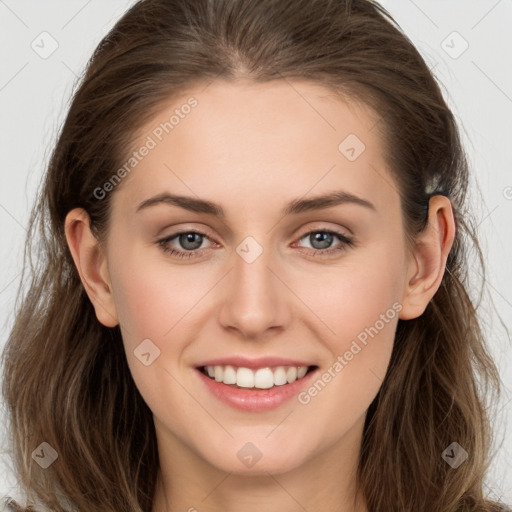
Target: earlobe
91,263
428,263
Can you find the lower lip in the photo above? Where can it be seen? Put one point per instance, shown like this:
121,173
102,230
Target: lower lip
252,399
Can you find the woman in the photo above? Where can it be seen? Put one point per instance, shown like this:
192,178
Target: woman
253,290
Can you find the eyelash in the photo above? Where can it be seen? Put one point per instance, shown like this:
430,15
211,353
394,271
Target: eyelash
346,243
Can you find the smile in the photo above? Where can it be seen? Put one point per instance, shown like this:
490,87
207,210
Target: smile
256,389
262,378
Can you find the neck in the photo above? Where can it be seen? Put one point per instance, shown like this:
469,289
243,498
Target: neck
327,481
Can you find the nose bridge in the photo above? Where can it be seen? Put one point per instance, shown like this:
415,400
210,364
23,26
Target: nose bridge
254,299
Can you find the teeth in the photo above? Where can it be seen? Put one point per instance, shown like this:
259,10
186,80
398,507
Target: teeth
291,374
229,376
263,378
301,371
244,377
280,376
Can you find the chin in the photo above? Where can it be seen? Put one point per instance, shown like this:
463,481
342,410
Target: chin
247,459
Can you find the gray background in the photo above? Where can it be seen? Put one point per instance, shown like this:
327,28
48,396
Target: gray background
477,83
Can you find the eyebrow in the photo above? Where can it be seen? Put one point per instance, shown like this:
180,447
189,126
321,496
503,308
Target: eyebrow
292,208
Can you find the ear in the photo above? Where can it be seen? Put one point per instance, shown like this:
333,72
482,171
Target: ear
91,263
428,261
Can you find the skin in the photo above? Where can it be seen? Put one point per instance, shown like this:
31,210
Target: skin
252,148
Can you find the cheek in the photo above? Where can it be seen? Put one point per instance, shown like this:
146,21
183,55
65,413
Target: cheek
152,307
355,297
359,309
364,325
157,301
151,297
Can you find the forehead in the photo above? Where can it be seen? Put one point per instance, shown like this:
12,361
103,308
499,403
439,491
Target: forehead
250,142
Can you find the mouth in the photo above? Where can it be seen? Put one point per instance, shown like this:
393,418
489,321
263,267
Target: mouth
257,389
268,377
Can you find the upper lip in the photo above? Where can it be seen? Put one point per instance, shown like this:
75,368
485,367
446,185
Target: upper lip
260,362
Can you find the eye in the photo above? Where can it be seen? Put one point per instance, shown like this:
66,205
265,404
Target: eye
191,242
322,240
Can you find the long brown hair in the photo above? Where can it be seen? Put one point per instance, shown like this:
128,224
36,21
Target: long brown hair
66,378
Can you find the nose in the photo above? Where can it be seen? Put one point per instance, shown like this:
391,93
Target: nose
255,299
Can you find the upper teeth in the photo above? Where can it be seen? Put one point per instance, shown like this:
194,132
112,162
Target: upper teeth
262,378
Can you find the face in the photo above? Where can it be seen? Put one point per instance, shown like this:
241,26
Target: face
276,276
